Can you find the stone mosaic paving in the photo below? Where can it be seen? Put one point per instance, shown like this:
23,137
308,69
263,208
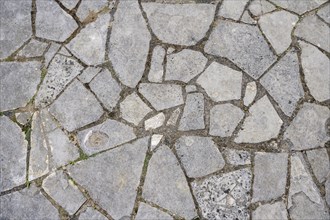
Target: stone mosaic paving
166,109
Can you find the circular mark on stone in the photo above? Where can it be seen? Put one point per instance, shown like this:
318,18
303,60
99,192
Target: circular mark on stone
96,139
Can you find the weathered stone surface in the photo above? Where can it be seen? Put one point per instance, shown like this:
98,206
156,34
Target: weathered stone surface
283,82
147,212
52,22
277,27
182,24
221,83
162,96
155,140
232,9
49,55
270,170
87,8
91,214
129,54
315,31
299,7
156,70
246,18
69,4
304,201
224,118
89,44
61,71
190,88
133,109
243,44
316,68
76,107
224,196
193,113
260,7
33,49
174,117
308,128
88,74
193,151
324,13
155,121
112,177
271,212
319,161
28,203
50,147
15,26
106,89
327,190
63,191
18,83
250,93
166,185
262,124
237,157
23,117
104,136
13,154
184,65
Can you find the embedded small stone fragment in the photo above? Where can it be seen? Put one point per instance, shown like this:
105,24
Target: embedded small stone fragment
277,27
156,70
221,83
155,121
23,117
128,54
193,113
33,49
88,74
109,134
262,124
324,13
316,68
52,22
91,213
76,107
327,190
190,88
271,212
112,178
224,118
283,83
242,44
147,212
106,89
299,7
181,24
193,151
133,109
166,185
18,84
232,9
237,157
250,93
52,50
162,96
260,7
13,155
308,128
69,4
88,8
63,191
174,117
155,140
270,171
319,161
184,65
246,18
225,196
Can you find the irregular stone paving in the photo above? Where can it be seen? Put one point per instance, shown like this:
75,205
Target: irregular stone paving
164,109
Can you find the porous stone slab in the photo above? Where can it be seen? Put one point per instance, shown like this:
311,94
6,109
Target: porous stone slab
28,203
16,27
33,49
237,157
262,124
184,65
147,212
61,71
18,84
69,4
192,151
308,128
242,44
50,147
324,13
316,68
155,121
270,170
156,71
193,113
162,96
174,117
91,213
181,24
250,93
133,109
277,27
88,74
58,26
273,211
52,50
298,7
260,7
112,178
319,161
224,118
63,191
283,82
221,83
232,9
13,154
89,44
166,185
129,54
109,134
224,196
76,107
88,8
106,89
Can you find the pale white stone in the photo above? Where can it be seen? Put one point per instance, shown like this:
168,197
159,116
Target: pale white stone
174,117
250,93
155,121
155,140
